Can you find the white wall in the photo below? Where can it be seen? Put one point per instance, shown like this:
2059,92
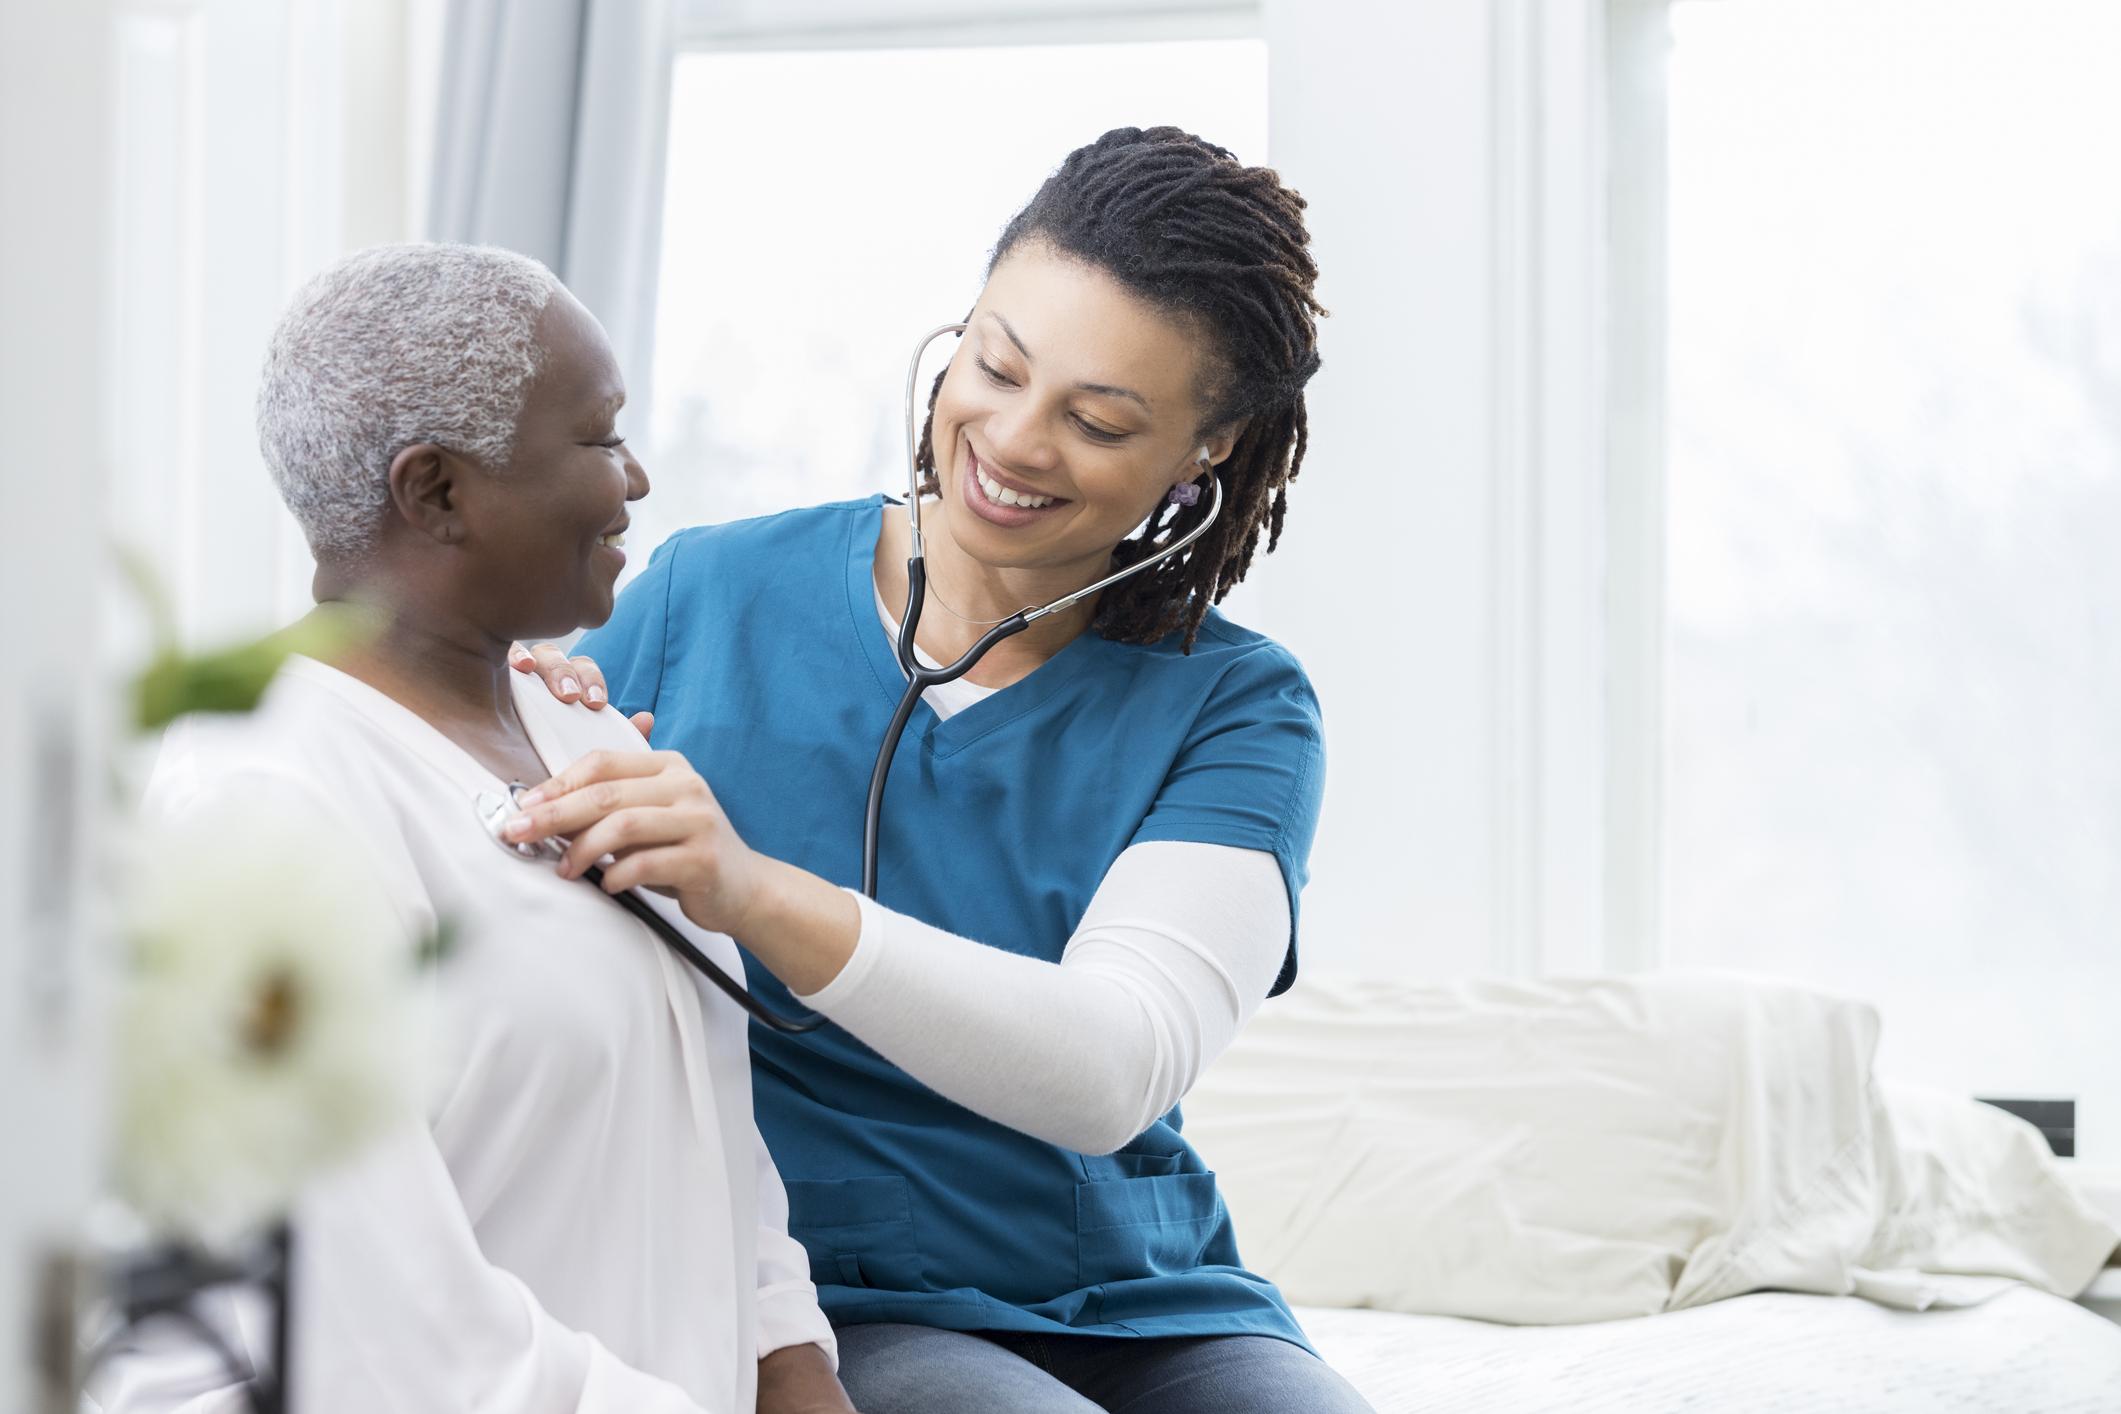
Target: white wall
1441,573
55,83
257,140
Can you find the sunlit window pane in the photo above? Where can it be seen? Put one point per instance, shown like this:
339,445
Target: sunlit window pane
804,251
1894,666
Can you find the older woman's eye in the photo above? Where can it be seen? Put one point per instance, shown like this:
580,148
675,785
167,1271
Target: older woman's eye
612,443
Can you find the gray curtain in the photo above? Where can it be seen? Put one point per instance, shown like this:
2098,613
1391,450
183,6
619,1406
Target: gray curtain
549,139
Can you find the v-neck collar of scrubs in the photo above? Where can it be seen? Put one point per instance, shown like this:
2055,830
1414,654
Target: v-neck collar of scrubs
946,737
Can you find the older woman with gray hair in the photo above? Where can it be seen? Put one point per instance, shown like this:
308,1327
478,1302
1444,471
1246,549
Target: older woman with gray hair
586,1220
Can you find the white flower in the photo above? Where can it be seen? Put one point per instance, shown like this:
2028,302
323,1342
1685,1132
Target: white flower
266,1020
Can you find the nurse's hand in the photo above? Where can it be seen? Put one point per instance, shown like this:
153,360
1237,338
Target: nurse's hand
665,831
662,826
570,679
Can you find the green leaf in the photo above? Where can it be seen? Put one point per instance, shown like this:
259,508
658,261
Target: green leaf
438,946
232,679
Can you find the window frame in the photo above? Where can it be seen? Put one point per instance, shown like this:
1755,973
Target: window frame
728,25
1638,42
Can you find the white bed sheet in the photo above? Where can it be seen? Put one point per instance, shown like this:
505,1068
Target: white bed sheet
2024,1352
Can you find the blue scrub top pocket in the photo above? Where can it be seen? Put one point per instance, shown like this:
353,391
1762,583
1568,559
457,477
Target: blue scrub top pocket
1130,1228
858,1231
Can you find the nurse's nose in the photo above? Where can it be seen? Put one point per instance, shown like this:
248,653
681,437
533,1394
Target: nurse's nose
1018,439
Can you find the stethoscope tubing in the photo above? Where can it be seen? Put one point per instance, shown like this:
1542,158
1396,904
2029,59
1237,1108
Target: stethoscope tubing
707,967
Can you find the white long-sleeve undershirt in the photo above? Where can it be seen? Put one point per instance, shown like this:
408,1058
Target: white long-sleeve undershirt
1174,954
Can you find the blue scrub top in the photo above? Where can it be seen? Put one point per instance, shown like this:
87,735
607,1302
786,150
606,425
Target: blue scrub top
757,646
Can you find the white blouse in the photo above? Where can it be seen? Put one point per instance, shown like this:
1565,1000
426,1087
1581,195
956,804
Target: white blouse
588,1220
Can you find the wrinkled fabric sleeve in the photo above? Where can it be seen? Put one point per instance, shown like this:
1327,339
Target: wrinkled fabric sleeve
788,1309
1172,957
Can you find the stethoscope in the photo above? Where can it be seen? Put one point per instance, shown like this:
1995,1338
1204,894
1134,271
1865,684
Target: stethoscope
495,810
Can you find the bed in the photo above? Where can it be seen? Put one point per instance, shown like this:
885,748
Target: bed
2024,1352
1654,1194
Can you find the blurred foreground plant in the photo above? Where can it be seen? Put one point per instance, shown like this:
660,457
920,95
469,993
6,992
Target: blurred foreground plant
266,1019
228,679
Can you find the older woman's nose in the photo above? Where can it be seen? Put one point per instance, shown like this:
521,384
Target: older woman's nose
636,479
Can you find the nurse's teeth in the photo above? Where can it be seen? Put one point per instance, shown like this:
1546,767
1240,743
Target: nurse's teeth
1008,496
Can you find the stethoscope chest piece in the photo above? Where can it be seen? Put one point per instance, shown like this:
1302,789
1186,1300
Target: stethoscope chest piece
495,811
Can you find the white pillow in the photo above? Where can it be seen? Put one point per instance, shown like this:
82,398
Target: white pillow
1567,1150
1976,1192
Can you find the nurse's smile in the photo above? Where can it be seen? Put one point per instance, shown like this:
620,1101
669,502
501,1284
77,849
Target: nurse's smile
1000,499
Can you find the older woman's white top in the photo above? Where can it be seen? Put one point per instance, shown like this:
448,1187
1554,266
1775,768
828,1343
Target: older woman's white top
588,1221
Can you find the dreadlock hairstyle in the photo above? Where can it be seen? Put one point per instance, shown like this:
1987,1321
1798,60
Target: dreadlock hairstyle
1182,225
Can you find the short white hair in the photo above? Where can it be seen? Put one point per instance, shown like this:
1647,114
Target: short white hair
393,346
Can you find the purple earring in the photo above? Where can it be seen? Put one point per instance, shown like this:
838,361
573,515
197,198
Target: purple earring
1186,493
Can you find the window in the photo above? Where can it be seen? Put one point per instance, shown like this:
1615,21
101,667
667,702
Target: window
803,254
1893,486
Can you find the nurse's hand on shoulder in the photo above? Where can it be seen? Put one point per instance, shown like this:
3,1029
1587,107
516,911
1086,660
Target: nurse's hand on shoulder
660,823
570,679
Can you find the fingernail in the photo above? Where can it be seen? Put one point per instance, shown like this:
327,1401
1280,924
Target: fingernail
530,798
517,653
569,685
595,694
517,828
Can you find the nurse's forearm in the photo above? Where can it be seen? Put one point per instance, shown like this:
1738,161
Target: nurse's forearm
1175,952
801,927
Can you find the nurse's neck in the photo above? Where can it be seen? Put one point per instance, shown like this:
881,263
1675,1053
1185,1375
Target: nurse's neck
973,592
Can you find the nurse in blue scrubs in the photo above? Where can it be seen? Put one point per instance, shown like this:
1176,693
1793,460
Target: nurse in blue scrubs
1093,847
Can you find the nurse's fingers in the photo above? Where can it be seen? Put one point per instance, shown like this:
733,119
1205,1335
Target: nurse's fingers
572,815
594,766
669,870
592,678
644,723
624,832
569,679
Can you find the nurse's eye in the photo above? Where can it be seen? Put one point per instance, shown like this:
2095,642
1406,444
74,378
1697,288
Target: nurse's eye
994,375
1099,434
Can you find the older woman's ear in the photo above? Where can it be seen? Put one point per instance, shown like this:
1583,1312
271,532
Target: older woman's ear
422,485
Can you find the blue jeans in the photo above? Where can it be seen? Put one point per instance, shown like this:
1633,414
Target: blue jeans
903,1369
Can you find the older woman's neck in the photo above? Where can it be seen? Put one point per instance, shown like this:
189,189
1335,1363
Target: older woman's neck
441,667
